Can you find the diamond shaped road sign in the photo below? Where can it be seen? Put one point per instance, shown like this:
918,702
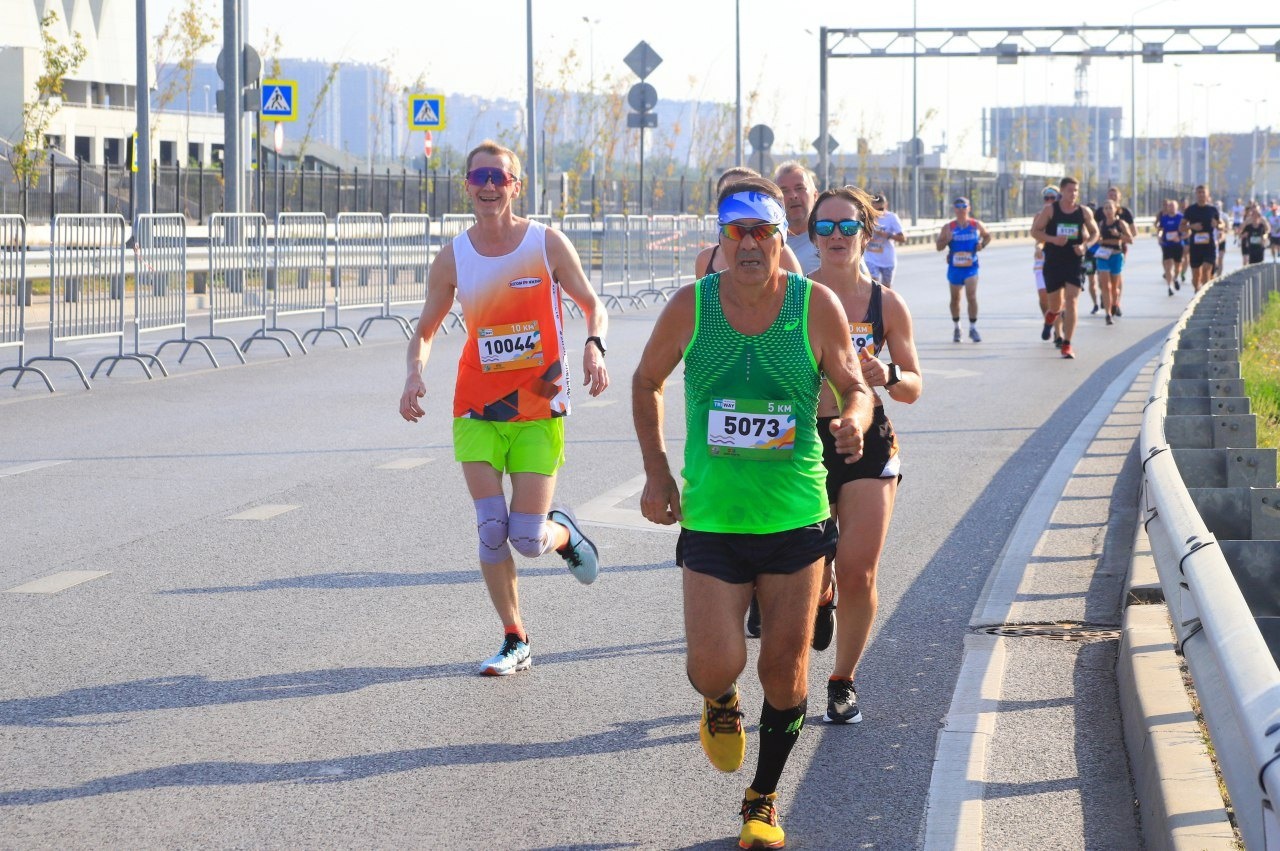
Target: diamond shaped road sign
642,59
832,144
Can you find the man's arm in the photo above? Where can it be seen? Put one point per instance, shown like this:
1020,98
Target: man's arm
1038,225
984,233
567,269
442,285
660,499
838,360
944,237
1090,232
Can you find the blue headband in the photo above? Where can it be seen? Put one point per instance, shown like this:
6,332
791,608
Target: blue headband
751,205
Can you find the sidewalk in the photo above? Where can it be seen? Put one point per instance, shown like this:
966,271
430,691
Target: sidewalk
1072,660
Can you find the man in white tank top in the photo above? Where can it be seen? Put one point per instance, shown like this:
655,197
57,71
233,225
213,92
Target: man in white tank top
512,391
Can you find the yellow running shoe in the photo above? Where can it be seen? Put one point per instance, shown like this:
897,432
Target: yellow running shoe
720,731
760,822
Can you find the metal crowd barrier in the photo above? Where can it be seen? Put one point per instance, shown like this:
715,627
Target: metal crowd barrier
580,230
15,293
692,241
87,289
409,268
664,257
301,271
160,284
639,260
238,278
1210,506
613,258
360,267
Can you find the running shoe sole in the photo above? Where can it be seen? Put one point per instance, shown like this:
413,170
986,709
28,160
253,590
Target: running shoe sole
589,569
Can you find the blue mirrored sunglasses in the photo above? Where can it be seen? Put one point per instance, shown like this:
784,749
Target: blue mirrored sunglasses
826,227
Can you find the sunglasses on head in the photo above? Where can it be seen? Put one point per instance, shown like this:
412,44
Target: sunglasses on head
962,206
488,174
848,227
758,232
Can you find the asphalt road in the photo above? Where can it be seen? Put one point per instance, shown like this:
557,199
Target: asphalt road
308,679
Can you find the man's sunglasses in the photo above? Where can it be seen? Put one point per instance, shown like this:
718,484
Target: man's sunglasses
496,176
848,227
758,232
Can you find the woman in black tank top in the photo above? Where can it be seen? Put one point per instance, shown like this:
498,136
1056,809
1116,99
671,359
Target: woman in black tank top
863,493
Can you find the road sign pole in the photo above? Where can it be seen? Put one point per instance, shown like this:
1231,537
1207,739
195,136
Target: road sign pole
824,160
233,85
142,98
642,171
531,158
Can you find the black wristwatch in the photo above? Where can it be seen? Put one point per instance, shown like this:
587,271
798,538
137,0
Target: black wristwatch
895,375
599,344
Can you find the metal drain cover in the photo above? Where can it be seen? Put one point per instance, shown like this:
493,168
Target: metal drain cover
1062,631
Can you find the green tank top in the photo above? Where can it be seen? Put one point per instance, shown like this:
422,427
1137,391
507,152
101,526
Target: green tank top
752,460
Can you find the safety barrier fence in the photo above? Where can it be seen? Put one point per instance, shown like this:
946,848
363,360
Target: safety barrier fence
302,270
14,296
1212,513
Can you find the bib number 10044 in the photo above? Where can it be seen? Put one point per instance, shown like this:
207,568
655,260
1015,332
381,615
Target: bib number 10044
751,429
504,347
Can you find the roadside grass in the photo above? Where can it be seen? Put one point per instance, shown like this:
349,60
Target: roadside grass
1260,367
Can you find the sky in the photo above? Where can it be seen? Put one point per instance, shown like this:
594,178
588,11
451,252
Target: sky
457,50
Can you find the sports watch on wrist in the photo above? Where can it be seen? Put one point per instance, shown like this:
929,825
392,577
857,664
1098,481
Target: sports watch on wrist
895,375
599,344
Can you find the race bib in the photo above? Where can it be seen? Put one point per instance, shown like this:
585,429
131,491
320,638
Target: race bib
504,347
1069,230
962,259
751,429
1103,252
1171,236
863,336
1255,240
1201,238
876,245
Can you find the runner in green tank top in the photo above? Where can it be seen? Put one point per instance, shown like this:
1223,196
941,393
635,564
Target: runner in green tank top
754,515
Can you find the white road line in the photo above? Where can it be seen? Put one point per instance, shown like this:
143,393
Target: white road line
954,815
604,509
56,582
934,372
598,403
27,468
404,464
262,512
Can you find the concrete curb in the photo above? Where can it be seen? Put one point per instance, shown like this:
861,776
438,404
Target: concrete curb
1179,802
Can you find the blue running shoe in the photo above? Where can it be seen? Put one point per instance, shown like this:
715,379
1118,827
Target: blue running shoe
515,655
579,554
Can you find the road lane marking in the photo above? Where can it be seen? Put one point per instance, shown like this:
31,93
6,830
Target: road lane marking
27,468
262,512
55,582
404,464
605,511
598,403
934,372
954,814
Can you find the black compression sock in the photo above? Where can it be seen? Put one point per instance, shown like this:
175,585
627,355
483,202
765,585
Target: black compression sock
779,729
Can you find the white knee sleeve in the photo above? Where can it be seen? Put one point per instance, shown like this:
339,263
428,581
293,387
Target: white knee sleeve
529,534
491,524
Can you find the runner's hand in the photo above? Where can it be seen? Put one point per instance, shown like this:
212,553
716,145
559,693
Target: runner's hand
660,500
848,439
873,369
414,390
593,370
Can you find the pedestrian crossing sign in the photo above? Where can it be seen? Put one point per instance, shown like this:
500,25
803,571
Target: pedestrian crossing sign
279,100
426,112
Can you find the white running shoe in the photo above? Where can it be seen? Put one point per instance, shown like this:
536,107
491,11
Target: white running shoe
515,655
579,554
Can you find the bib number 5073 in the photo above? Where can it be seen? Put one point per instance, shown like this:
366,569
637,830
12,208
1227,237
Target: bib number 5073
751,429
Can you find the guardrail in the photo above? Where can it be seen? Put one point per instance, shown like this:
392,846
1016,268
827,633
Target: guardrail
1209,501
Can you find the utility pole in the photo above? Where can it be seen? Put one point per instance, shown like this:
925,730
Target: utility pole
531,164
142,106
232,104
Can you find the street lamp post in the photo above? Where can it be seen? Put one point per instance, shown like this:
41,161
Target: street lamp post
915,129
531,154
1208,127
591,89
1133,102
1253,153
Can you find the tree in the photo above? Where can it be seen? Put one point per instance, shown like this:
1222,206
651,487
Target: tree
188,31
57,61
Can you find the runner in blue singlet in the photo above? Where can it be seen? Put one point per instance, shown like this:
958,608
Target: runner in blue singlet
962,238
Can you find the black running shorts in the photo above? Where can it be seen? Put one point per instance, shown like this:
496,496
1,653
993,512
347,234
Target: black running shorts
1056,277
1203,255
739,559
879,454
1171,252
